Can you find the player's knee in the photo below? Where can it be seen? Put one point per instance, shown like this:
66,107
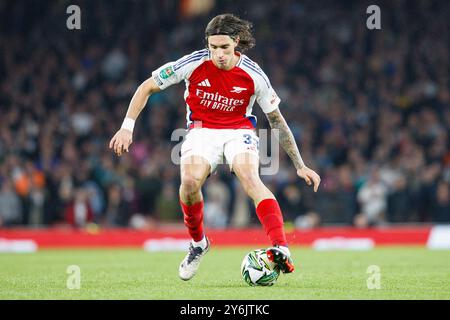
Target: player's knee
190,184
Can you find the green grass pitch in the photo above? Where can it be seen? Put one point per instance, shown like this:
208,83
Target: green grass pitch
405,273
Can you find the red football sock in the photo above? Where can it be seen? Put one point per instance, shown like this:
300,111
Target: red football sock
193,219
269,213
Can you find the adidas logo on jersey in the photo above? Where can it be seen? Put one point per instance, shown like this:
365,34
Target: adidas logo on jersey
204,83
238,89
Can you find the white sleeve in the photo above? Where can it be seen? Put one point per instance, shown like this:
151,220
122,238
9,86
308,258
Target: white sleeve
176,71
266,96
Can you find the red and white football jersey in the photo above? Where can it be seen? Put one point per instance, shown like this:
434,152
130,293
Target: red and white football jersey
219,99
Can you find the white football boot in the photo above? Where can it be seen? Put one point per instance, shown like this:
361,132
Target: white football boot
281,256
189,266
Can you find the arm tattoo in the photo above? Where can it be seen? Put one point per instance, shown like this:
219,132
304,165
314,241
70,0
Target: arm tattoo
286,138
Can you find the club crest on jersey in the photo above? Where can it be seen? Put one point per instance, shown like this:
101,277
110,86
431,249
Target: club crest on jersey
238,89
166,73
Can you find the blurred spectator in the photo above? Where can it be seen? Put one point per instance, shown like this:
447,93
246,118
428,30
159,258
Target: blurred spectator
148,188
297,203
307,221
114,64
373,201
346,196
117,210
96,199
441,200
399,206
78,213
216,195
167,205
10,206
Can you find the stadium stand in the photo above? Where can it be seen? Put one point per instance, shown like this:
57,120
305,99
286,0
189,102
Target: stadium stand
370,110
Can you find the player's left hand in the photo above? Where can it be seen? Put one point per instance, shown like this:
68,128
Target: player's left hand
310,176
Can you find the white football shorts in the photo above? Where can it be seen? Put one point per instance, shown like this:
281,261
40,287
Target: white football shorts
217,145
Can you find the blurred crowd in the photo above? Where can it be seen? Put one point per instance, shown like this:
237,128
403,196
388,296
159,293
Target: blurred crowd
370,110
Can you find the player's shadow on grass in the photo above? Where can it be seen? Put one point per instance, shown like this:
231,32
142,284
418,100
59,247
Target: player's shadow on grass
246,286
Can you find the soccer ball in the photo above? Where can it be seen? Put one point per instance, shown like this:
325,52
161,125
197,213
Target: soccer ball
258,270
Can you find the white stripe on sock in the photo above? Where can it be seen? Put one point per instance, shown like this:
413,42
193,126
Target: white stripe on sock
202,243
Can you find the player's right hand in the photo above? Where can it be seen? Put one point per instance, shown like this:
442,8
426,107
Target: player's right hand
121,141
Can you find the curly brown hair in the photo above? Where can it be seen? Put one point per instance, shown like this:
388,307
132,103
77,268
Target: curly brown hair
233,26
